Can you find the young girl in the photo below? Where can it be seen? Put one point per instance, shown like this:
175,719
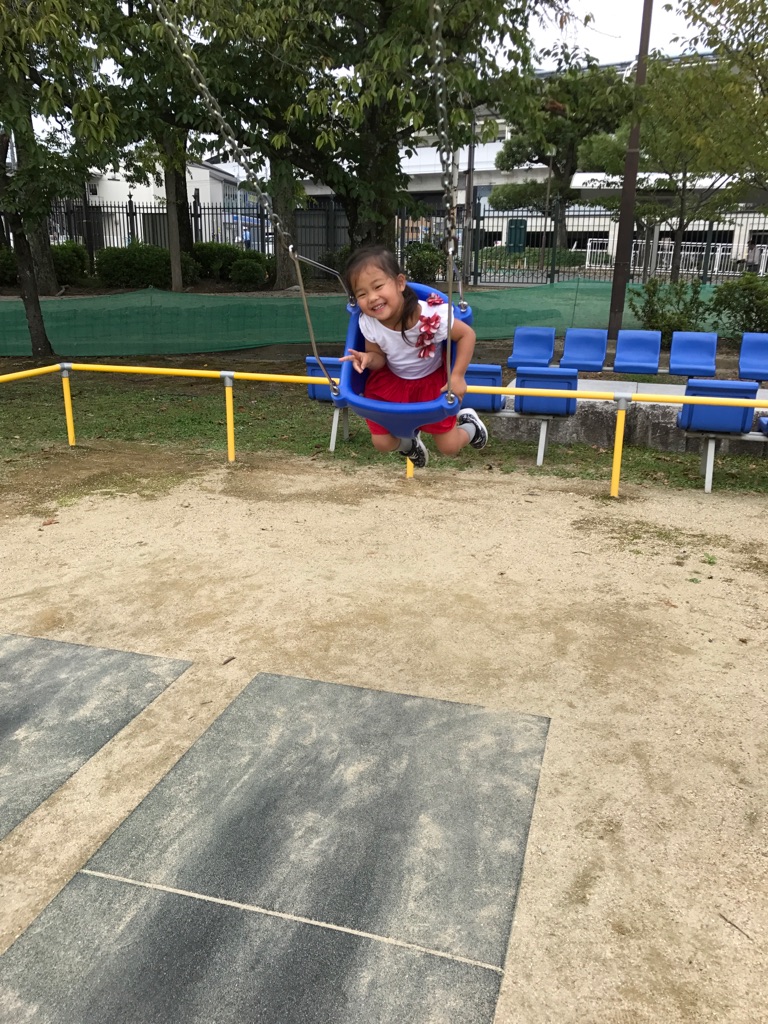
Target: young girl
404,354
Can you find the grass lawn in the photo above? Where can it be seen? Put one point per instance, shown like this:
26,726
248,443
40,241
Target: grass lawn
189,414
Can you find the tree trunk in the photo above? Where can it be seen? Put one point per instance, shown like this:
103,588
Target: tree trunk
174,146
561,232
373,222
186,238
677,253
41,346
36,231
174,243
677,249
40,244
283,194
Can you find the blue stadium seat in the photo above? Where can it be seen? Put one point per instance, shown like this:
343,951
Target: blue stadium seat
321,392
532,346
637,352
539,406
693,354
762,424
487,375
713,420
584,348
753,357
718,419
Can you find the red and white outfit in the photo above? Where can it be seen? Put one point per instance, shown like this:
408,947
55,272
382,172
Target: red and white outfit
415,370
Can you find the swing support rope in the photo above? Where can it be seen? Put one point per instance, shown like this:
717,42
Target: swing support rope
243,159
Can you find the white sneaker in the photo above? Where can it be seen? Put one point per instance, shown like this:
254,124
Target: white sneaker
480,440
419,453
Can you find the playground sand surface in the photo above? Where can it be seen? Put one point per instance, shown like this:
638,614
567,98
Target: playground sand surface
637,626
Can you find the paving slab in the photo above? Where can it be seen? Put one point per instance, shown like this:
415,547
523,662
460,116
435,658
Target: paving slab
59,704
371,841
104,952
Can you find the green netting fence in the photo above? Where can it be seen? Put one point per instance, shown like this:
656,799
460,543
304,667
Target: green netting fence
152,322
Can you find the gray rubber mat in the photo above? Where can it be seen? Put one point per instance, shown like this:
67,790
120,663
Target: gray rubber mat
322,853
59,704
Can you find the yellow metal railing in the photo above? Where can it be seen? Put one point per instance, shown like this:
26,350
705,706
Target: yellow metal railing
228,377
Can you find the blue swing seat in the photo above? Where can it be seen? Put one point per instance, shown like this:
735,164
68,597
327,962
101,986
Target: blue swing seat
400,419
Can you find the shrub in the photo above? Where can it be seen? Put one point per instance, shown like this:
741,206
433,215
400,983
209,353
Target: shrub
248,274
142,266
424,262
216,259
8,277
742,305
337,259
70,261
497,257
669,307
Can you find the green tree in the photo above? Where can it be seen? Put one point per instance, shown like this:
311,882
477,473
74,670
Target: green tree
349,86
48,69
694,116
578,100
736,33
162,118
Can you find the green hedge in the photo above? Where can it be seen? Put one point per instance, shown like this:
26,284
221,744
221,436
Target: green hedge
497,257
70,261
216,259
142,266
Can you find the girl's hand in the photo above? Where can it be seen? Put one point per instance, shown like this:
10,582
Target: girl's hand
360,360
458,385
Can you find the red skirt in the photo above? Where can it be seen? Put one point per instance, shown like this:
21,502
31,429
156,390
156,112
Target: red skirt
386,386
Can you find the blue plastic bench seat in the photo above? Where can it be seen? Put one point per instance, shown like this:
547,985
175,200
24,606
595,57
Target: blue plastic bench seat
753,357
321,392
762,424
637,352
539,406
485,375
714,419
532,346
693,354
584,348
553,377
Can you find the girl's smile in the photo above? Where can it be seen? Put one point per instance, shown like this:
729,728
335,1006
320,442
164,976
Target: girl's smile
380,296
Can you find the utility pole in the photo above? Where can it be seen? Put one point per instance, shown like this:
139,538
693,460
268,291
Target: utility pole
623,261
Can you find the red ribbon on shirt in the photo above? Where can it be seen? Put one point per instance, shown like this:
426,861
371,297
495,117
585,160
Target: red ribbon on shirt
428,326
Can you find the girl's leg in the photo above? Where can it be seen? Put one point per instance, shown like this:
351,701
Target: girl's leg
385,442
452,441
469,429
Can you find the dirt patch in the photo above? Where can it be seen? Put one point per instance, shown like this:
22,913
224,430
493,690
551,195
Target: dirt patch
636,626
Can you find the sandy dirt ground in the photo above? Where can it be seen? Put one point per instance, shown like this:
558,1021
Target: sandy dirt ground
637,626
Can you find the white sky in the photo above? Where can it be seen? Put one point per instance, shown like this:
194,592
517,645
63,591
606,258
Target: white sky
614,35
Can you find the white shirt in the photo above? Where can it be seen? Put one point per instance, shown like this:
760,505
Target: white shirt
403,357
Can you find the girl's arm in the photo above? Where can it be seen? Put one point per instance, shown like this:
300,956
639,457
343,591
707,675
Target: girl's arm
372,359
465,339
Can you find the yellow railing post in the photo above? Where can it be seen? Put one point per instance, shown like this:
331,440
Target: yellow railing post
618,444
228,377
65,370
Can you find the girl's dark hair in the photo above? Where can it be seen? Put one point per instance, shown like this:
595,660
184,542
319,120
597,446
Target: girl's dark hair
381,257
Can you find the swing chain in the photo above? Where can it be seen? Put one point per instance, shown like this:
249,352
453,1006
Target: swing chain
243,159
446,161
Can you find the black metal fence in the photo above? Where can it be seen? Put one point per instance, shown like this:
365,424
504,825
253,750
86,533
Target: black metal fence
525,246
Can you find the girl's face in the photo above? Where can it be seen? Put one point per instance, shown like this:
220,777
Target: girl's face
379,295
